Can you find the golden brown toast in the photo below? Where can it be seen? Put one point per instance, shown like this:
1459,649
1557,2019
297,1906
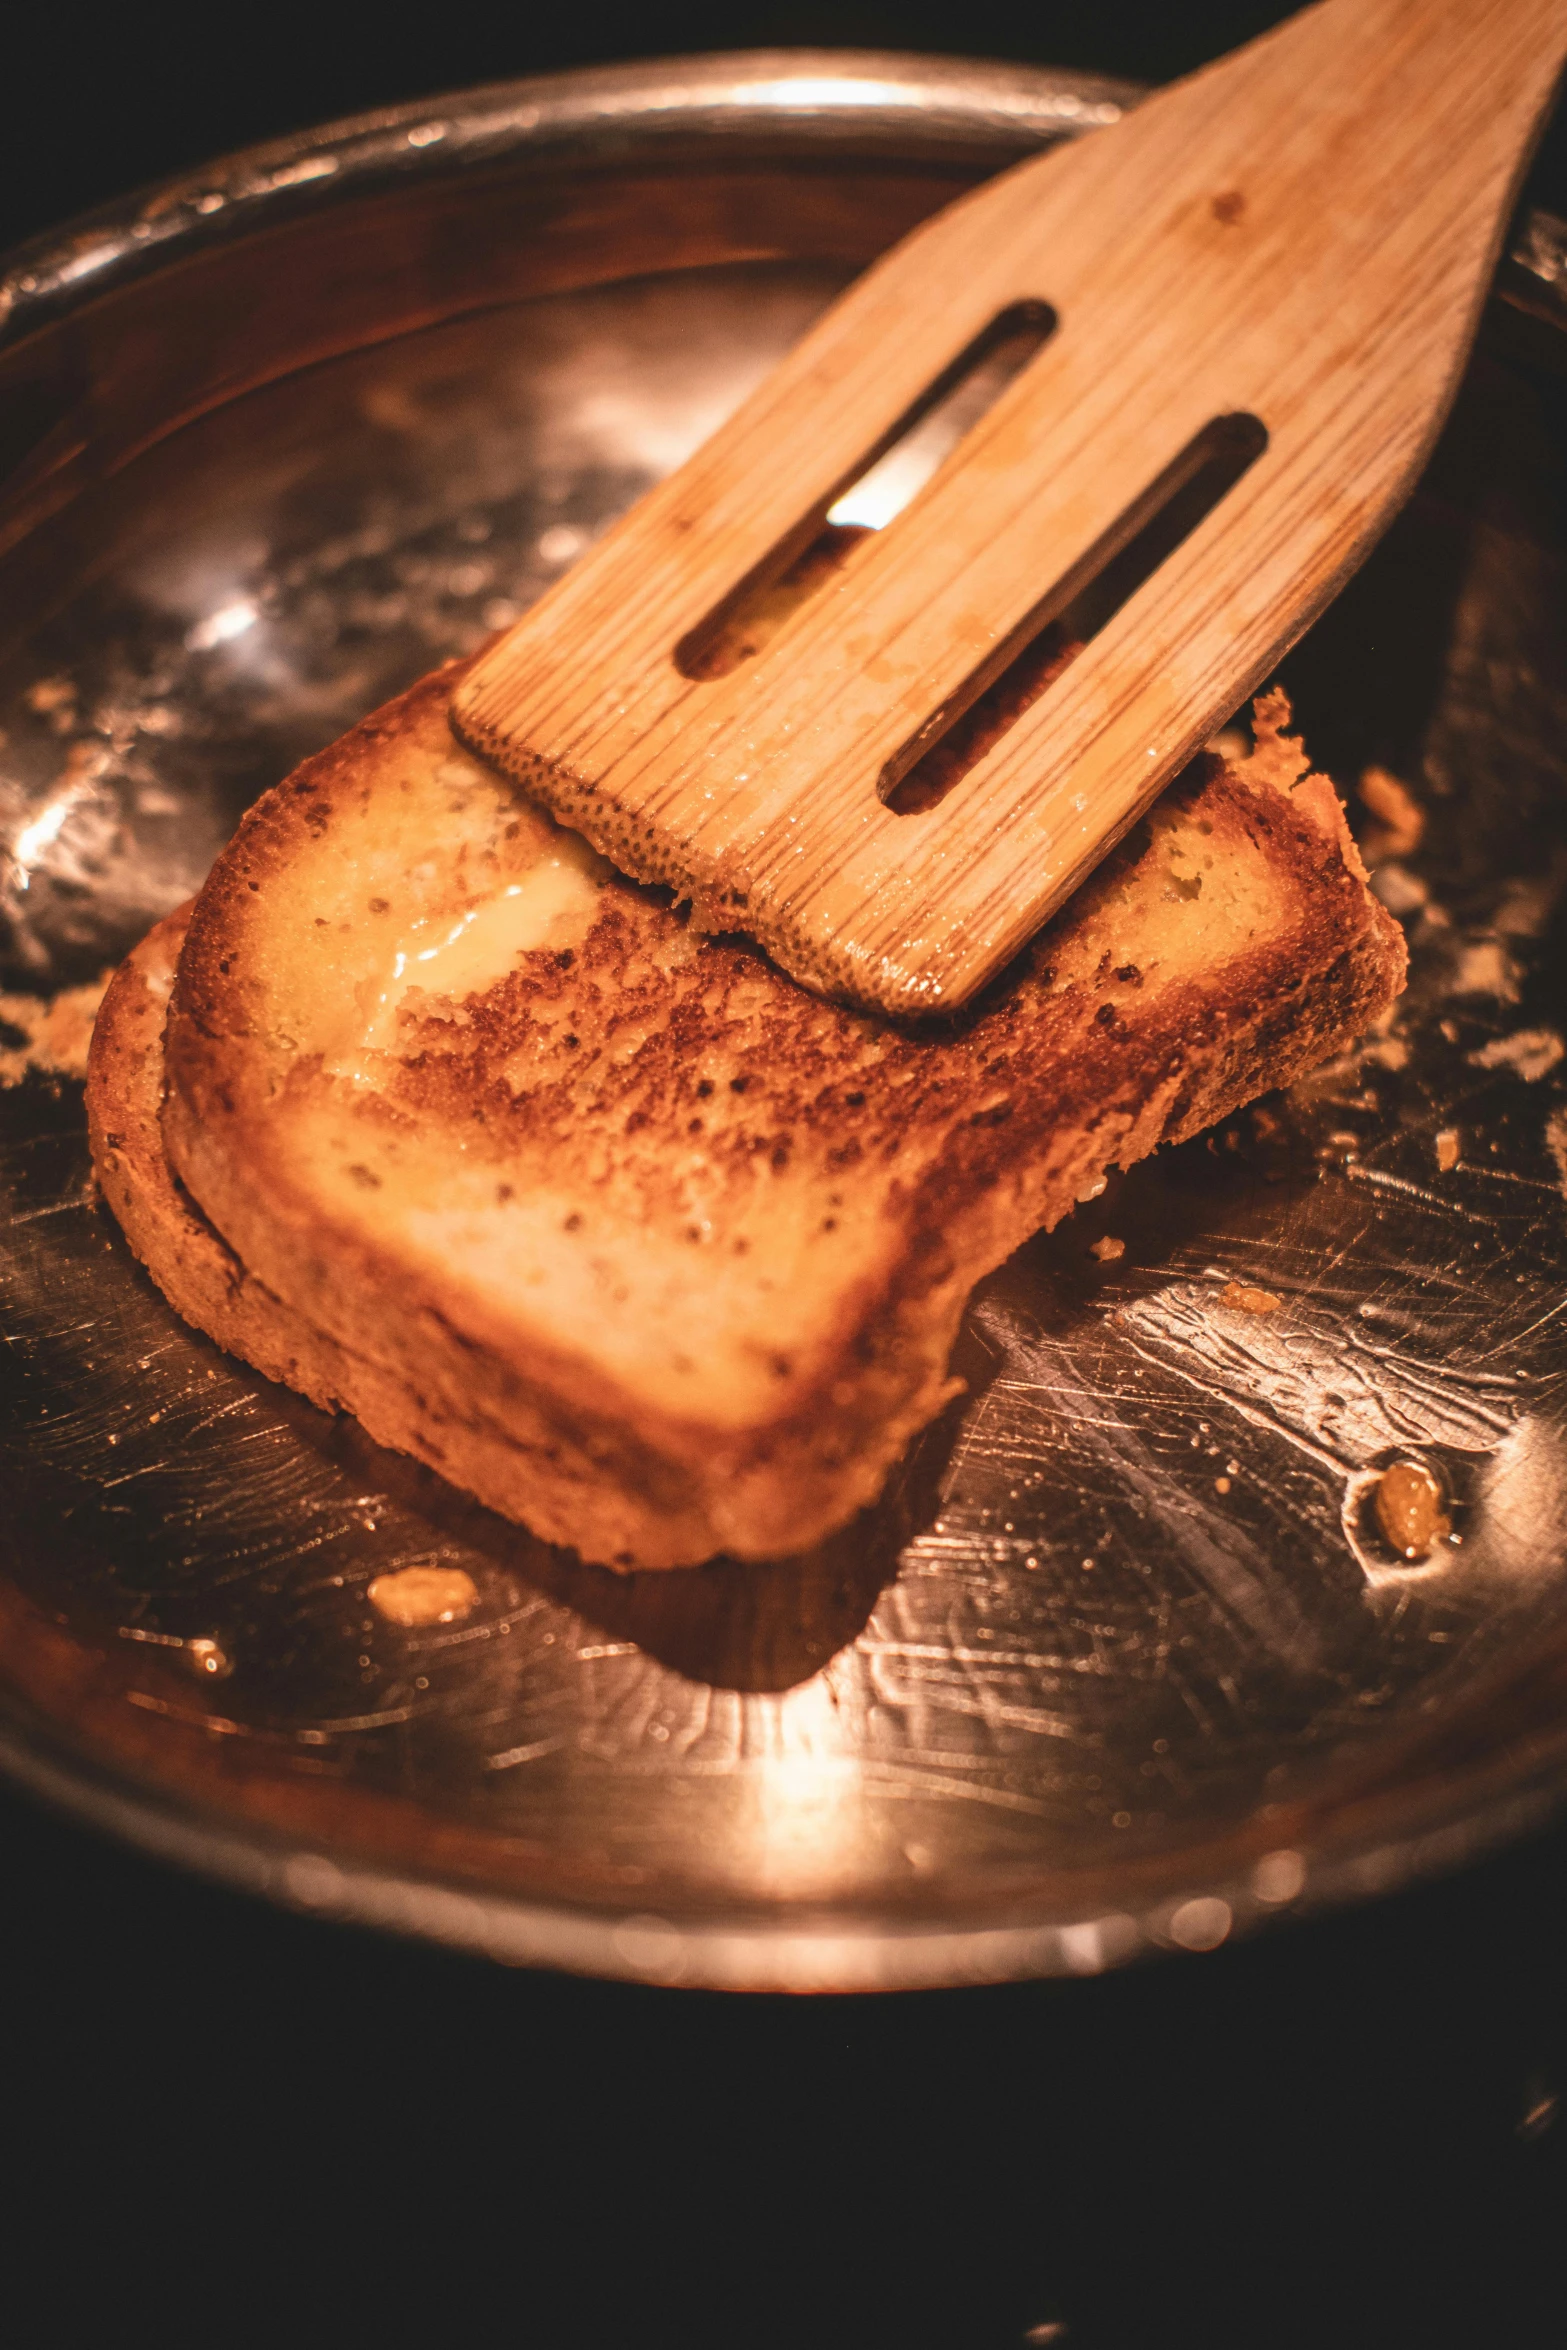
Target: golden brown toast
191,1263
614,1224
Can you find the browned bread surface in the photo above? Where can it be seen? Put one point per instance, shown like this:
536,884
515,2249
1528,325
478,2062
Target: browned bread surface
637,1239
193,1267
201,1276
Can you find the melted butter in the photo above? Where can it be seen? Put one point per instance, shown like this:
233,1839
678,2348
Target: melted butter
465,954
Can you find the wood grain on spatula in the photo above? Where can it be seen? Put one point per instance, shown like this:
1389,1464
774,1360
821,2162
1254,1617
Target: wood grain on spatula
1300,235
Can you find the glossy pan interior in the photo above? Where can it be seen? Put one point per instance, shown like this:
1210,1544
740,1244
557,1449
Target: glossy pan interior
1122,1662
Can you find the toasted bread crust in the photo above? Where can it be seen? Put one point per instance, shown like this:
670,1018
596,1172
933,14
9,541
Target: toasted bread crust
853,1180
206,1283
195,1269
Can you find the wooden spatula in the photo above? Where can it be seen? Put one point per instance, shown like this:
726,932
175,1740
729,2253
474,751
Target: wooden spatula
1280,260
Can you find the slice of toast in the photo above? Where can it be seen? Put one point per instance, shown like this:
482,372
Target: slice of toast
614,1224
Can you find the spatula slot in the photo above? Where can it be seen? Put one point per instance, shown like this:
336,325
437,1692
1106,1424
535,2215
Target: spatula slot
867,498
995,694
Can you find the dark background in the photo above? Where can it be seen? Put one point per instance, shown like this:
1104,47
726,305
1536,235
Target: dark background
228,2124
99,103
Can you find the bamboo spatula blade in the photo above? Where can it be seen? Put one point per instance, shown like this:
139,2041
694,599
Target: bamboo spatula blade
1299,238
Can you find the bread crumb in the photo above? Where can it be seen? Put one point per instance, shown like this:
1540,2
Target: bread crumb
55,1030
1277,758
1401,821
1531,1051
1242,1300
51,696
1556,1142
413,1596
1107,1249
1401,891
1484,967
1409,1509
1447,1147
1527,906
1221,1485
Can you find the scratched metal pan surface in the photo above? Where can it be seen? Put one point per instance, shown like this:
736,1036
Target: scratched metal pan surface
1123,1661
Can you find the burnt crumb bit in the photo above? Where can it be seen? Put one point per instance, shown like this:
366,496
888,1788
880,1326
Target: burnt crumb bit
1228,206
779,1156
255,885
223,966
738,1084
829,1223
321,922
571,1043
854,1101
637,1120
573,1222
1409,1512
503,1191
1129,975
693,1232
1105,1015
365,1177
379,905
704,1088
565,959
695,1127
